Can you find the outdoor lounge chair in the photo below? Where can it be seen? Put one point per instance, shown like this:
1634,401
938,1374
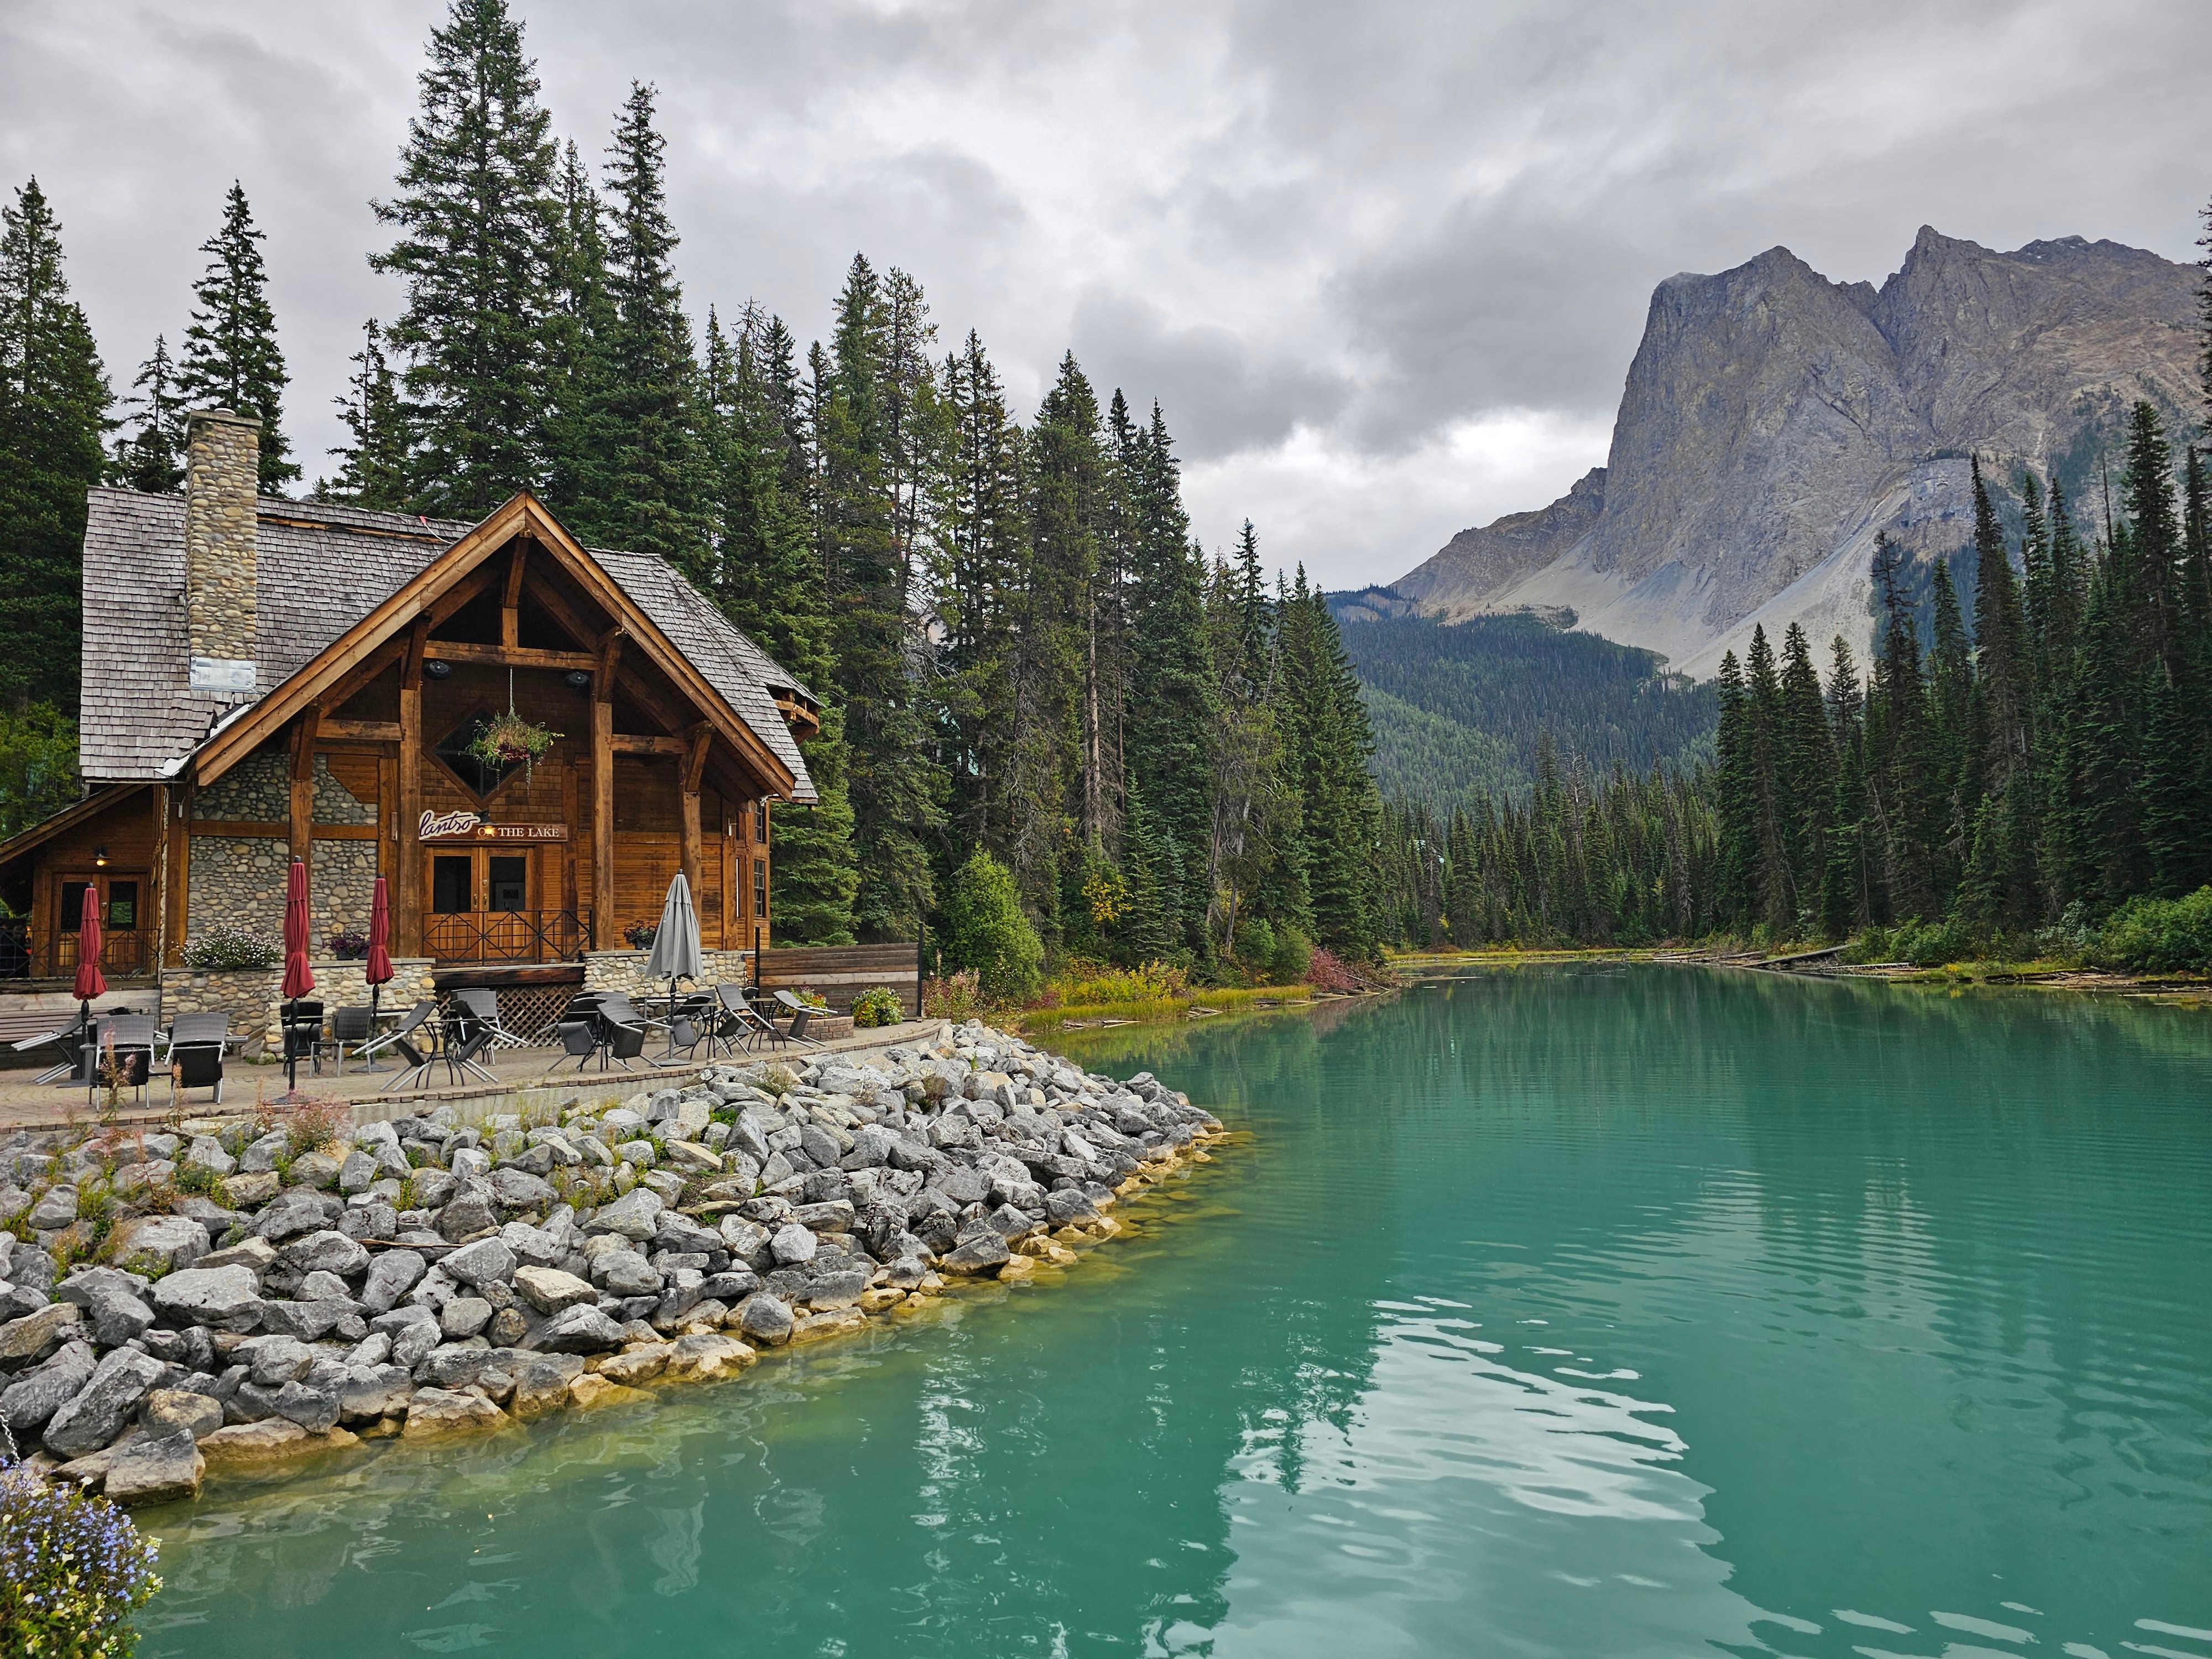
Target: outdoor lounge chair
68,1041
127,1040
352,1027
465,1037
303,1033
579,1040
616,1005
801,1013
402,1037
482,1002
196,1054
754,1027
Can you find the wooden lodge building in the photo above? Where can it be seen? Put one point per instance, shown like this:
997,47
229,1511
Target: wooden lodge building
267,679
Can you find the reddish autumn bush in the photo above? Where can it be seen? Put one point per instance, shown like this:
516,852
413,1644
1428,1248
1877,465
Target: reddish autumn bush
1325,971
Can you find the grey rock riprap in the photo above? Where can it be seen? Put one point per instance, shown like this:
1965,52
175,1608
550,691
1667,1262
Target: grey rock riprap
423,1276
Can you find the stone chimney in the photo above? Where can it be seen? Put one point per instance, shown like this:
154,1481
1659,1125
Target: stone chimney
223,470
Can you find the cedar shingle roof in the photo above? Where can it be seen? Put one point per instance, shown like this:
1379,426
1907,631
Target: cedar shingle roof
320,569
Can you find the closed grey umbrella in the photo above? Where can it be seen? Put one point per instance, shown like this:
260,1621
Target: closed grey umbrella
676,947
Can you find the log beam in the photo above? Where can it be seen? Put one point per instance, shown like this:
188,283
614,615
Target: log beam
303,783
336,730
511,656
510,602
636,743
407,888
602,825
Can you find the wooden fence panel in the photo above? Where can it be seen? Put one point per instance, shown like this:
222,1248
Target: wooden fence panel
841,973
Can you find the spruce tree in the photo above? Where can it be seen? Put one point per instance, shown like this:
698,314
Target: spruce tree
1847,888
1805,770
1736,790
1172,709
648,490
574,438
152,459
475,214
812,866
53,425
231,357
373,463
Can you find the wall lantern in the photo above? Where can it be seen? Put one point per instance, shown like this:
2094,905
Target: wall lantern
437,671
578,677
99,855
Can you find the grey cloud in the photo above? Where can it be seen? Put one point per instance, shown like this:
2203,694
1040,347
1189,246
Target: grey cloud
1360,224
1220,394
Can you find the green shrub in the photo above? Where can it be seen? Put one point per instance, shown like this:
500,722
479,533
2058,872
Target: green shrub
221,947
1293,955
1923,944
877,1005
2158,936
983,928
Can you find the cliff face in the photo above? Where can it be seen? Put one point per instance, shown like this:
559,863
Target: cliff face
1774,422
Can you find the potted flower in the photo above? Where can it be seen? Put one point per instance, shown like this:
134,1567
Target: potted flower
350,945
508,739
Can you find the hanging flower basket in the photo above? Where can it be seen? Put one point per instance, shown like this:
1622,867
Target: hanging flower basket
510,740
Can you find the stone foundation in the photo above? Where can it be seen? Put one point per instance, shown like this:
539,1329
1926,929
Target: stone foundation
249,996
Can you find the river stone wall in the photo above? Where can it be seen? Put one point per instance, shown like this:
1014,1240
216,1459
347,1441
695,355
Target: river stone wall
266,1290
240,879
250,996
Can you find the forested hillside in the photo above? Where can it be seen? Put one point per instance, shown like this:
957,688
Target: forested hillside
1035,681
1462,708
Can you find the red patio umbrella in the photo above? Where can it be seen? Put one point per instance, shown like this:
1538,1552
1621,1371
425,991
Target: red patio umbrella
299,978
377,970
90,983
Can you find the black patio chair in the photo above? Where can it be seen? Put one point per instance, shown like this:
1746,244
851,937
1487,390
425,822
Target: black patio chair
126,1043
349,1028
619,1041
616,1007
466,1036
753,1027
196,1054
402,1037
303,1033
482,1002
579,1040
801,1013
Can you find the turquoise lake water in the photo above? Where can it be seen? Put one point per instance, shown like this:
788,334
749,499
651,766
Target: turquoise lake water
1563,1311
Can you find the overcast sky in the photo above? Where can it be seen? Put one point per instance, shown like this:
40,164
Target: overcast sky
1383,265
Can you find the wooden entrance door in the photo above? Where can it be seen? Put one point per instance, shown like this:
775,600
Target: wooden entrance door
127,921
488,904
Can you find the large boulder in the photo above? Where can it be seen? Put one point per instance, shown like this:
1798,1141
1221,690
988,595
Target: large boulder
325,1251
541,1384
466,1216
222,1298
168,1410
766,1319
635,1215
480,1263
982,1253
294,1213
441,1411
96,1415
625,1273
551,1291
36,1394
374,1391
391,1276
156,1469
577,1330
518,1189
38,1333
155,1243
794,1244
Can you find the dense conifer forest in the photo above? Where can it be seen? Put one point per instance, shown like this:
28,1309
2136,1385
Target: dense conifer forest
1465,707
1031,673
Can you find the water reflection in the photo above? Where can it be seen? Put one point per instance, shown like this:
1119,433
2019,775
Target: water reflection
1547,1312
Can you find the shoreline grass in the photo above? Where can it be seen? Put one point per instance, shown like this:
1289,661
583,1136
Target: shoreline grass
1202,1003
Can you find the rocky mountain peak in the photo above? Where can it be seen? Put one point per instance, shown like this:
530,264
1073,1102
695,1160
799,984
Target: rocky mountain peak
1773,420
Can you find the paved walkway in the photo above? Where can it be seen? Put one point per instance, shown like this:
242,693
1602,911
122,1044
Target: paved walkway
24,1106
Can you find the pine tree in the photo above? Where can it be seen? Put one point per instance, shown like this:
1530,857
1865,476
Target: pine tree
813,865
53,424
1173,710
1805,771
152,459
1846,890
647,491
1905,795
2151,552
475,214
574,437
897,791
231,357
372,470
1736,776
